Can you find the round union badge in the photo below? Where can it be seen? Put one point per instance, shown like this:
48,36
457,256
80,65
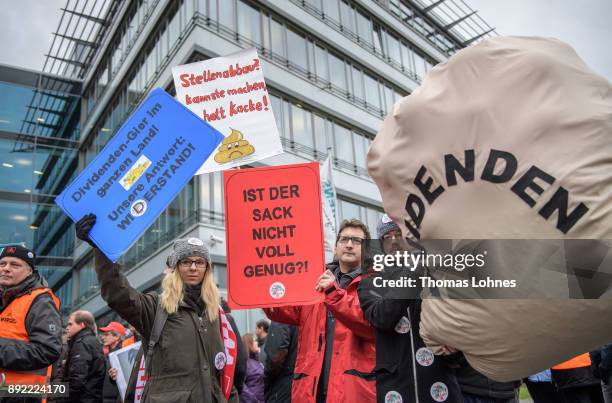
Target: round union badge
424,356
195,241
220,360
277,290
403,325
138,208
439,392
393,397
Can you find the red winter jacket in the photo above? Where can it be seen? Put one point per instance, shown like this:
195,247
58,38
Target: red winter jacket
351,377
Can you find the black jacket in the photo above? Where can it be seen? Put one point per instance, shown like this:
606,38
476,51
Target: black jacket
44,326
601,362
403,363
281,352
574,377
84,369
110,390
473,382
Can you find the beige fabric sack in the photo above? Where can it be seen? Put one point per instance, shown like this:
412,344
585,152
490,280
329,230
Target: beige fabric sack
539,122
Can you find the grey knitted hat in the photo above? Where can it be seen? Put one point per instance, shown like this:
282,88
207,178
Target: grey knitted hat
183,248
385,225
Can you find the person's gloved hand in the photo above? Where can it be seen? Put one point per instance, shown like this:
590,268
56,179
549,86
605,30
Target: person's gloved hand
83,226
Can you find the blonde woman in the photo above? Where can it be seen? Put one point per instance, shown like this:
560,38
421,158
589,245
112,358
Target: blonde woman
190,362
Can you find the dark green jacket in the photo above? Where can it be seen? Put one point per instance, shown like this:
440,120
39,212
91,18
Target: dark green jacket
182,368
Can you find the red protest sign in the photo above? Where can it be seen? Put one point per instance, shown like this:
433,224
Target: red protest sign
274,235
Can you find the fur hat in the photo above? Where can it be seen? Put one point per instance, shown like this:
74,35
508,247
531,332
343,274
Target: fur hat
385,225
183,248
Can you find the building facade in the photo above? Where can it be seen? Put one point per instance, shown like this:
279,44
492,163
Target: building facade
334,69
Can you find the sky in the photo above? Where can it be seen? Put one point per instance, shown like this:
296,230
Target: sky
584,24
26,27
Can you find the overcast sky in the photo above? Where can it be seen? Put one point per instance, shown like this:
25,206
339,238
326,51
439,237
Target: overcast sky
26,26
25,29
584,24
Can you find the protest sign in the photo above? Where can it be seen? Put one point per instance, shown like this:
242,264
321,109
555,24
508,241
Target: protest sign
330,221
123,361
230,93
274,235
134,178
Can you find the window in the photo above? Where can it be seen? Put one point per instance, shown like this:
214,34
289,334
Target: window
371,91
278,112
249,23
88,282
330,10
226,13
358,84
174,29
378,43
315,3
286,120
296,45
361,150
419,64
322,65
349,210
320,132
364,28
337,72
389,99
302,126
393,46
277,39
347,16
407,58
343,144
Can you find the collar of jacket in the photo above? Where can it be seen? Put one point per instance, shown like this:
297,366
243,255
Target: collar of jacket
32,282
335,266
80,334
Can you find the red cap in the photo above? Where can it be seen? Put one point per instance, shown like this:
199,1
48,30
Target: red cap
114,327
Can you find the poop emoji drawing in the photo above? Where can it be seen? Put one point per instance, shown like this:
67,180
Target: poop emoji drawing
233,147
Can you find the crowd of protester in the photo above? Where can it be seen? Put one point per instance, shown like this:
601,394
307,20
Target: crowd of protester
356,345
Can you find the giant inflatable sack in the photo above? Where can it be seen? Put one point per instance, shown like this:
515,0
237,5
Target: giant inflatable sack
509,139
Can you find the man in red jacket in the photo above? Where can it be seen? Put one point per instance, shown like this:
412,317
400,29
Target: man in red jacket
336,345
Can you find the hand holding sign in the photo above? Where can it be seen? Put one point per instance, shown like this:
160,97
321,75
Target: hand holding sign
326,280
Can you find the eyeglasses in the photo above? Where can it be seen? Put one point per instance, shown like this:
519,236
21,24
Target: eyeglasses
186,263
393,235
354,239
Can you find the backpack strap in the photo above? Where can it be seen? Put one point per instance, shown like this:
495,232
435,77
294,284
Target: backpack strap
158,325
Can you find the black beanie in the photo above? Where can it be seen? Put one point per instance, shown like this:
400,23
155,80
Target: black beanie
20,252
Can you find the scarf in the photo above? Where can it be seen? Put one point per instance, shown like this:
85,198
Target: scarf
192,296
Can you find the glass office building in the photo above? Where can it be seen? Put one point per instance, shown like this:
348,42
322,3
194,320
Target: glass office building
334,69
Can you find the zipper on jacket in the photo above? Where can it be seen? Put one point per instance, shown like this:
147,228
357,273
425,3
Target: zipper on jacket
414,362
314,385
320,341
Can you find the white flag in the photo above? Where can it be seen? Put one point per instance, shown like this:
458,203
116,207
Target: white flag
328,200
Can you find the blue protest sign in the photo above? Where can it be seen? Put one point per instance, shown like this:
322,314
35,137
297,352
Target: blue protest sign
134,178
